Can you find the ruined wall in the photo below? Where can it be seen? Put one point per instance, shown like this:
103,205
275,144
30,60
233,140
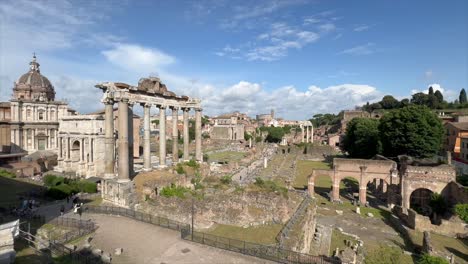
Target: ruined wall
455,193
240,209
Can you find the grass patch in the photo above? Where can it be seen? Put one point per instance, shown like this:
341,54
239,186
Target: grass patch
174,191
445,244
268,186
7,174
304,169
264,234
226,156
97,201
338,240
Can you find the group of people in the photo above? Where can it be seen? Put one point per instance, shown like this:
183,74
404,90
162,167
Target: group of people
26,208
76,205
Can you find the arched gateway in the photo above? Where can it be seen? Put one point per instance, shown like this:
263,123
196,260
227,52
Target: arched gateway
362,170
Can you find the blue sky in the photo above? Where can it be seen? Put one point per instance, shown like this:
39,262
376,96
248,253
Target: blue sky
298,57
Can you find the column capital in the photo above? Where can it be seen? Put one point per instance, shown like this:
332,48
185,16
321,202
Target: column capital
161,106
146,105
124,100
198,109
174,108
185,109
108,101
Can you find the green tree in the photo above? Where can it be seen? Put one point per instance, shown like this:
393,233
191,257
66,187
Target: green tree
412,130
419,98
404,102
431,91
462,97
362,138
433,101
389,102
439,96
275,134
438,204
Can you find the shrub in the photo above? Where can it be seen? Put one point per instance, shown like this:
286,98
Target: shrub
259,181
173,190
427,259
87,186
52,180
59,192
192,163
438,204
227,179
180,169
462,211
5,173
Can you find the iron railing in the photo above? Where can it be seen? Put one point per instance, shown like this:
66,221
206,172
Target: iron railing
273,253
268,252
140,216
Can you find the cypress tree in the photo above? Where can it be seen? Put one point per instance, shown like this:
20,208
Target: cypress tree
462,97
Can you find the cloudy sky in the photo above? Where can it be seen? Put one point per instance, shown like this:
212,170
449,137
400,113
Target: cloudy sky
298,57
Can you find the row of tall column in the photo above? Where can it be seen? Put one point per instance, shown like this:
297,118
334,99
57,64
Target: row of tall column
308,134
125,137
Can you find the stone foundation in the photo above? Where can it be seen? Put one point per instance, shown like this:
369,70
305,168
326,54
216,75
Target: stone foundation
120,193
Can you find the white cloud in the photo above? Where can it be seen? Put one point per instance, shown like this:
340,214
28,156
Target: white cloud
365,49
362,28
137,58
428,74
327,27
288,101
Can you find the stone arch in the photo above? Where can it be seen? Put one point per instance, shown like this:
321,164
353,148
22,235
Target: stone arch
410,186
419,200
379,186
313,177
75,150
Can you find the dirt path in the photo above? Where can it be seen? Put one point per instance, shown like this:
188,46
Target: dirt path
145,243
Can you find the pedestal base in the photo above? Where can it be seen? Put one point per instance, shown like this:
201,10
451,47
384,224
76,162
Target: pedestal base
118,192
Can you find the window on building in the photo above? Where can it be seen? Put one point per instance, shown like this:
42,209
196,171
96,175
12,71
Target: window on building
52,114
41,115
28,114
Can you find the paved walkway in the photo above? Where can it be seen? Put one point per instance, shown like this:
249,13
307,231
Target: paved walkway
146,243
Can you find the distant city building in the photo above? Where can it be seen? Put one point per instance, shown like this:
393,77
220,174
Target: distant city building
229,126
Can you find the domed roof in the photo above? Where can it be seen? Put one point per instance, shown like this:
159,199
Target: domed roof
34,78
33,85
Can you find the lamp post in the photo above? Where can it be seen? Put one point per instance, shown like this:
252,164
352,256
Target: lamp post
193,214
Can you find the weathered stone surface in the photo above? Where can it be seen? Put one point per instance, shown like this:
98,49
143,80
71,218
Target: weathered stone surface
118,251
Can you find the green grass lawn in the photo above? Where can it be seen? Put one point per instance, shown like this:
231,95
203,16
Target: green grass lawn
338,240
264,234
304,169
12,189
447,244
226,156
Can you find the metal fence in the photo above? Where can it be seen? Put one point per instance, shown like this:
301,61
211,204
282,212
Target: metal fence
272,253
268,252
48,251
140,216
78,227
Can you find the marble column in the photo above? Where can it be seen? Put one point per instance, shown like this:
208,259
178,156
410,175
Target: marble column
198,137
302,133
175,149
130,139
312,134
109,155
67,151
146,137
90,150
162,136
124,172
307,134
186,133
60,151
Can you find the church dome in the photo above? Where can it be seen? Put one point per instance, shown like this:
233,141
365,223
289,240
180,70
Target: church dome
33,86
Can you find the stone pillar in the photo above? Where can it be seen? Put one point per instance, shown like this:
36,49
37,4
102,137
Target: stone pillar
175,149
363,186
312,134
336,186
302,133
146,137
307,134
162,136
60,151
68,148
82,150
90,150
109,155
124,171
186,133
198,137
130,139
311,184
